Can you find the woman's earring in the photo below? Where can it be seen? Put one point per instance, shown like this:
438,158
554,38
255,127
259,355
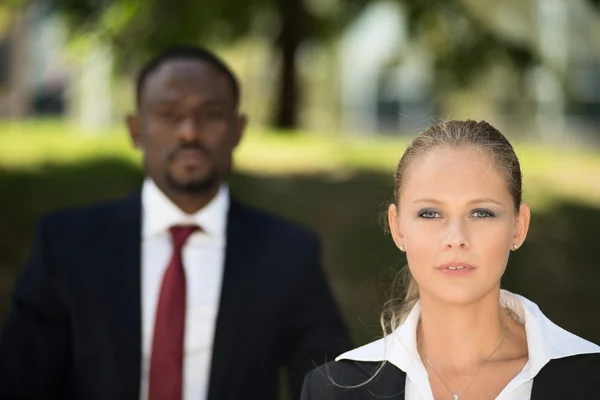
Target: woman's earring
515,246
401,248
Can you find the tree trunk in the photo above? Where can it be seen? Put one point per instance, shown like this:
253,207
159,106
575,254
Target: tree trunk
293,15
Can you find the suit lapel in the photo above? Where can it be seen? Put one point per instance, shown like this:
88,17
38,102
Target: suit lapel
237,278
567,378
124,282
388,384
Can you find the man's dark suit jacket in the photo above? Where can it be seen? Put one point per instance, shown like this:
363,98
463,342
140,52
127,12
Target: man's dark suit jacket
74,329
572,378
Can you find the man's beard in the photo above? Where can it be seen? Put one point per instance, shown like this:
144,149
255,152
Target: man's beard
199,186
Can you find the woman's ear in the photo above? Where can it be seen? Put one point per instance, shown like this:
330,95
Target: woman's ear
522,225
394,224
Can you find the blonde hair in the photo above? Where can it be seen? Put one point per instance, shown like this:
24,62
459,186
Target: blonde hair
479,135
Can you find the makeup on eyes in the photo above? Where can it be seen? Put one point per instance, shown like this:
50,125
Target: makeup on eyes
483,213
433,213
428,213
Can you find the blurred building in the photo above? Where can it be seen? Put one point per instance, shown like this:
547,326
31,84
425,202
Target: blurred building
40,76
388,82
377,94
35,82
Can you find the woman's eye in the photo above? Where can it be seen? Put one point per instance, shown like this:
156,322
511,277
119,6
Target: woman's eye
482,214
429,214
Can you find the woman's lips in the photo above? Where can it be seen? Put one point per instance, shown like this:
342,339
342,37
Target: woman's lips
457,268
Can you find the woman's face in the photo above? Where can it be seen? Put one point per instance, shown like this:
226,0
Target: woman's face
456,220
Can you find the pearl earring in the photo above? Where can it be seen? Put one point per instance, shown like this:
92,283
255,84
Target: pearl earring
401,248
515,246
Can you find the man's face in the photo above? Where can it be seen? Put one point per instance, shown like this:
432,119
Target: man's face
187,126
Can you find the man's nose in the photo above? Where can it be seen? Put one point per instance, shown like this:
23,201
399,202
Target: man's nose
188,129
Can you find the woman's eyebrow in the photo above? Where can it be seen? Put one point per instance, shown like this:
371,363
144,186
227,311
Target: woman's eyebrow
426,200
485,200
475,201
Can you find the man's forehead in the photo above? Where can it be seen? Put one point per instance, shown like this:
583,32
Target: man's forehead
186,74
184,69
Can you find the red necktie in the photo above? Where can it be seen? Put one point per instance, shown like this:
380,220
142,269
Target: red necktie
166,364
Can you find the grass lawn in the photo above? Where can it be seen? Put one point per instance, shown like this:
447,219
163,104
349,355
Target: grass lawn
549,173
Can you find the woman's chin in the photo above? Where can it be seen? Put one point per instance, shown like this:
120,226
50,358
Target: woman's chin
455,296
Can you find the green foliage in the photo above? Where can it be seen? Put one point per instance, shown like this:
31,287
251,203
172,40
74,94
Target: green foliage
550,173
12,3
7,7
462,45
139,28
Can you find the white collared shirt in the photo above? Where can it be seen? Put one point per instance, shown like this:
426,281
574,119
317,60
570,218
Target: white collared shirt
545,341
203,260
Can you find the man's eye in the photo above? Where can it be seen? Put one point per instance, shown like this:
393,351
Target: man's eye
429,214
214,113
482,213
168,114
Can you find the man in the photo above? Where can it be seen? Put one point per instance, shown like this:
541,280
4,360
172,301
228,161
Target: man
178,292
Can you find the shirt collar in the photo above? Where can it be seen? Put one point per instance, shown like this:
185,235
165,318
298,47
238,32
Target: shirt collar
545,340
160,213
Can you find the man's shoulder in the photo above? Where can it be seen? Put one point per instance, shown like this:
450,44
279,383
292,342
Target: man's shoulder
269,222
97,213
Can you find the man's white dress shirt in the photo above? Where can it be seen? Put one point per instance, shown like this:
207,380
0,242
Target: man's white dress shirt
545,341
203,260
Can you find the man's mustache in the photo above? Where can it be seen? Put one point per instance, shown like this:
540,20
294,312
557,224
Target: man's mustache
189,146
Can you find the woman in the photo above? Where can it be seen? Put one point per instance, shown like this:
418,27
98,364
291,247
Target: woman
457,214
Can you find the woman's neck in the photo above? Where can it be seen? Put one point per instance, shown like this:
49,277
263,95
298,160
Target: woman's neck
461,338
